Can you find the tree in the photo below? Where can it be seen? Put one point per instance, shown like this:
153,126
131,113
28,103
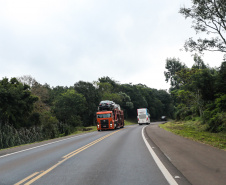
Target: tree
57,91
110,81
16,102
126,101
92,97
209,16
107,92
39,90
166,100
221,80
194,89
27,79
69,107
173,66
126,104
199,63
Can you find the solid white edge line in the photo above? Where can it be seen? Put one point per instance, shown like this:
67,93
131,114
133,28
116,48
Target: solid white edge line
163,169
41,145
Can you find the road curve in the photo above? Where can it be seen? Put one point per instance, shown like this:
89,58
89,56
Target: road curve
107,157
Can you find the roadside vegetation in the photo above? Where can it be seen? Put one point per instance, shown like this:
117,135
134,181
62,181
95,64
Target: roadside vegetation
32,112
196,131
199,92
130,122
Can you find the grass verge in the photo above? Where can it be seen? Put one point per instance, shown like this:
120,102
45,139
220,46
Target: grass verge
195,131
130,122
80,130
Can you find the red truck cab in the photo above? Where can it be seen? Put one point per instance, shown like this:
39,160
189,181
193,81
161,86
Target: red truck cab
109,120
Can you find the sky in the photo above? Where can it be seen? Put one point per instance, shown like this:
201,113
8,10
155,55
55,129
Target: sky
61,42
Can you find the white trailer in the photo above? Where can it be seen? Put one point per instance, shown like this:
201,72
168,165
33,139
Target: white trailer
143,116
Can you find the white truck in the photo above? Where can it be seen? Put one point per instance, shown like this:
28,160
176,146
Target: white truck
143,116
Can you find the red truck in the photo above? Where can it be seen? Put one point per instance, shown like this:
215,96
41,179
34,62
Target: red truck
110,119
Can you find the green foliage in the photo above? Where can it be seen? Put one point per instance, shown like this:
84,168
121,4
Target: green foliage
9,136
159,102
182,112
92,97
217,122
173,66
114,84
125,101
199,63
196,131
208,17
215,115
130,122
69,107
16,102
49,125
206,86
200,93
221,79
221,102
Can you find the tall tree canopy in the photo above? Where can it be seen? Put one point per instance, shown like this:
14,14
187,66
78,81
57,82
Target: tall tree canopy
16,102
209,16
173,66
69,107
92,97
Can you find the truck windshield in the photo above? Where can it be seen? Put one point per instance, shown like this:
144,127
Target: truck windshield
103,115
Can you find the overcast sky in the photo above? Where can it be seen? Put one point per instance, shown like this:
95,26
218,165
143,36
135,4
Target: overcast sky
60,42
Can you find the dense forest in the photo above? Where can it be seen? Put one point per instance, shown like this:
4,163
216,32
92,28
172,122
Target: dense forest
30,111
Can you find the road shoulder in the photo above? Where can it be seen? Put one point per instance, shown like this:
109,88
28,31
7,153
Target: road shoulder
197,162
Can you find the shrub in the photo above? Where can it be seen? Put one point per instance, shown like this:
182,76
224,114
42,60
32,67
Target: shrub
218,122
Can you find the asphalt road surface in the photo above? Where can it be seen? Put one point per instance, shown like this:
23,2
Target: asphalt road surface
201,164
116,157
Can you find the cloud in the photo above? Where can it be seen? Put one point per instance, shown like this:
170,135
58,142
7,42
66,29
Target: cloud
61,42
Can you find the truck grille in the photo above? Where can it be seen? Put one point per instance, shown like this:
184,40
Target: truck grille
104,123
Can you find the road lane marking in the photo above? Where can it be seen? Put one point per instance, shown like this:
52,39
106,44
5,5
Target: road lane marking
88,145
29,177
45,172
163,169
42,145
66,157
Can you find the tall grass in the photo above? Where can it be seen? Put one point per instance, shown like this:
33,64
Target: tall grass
9,136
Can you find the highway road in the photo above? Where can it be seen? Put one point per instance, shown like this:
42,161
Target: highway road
117,157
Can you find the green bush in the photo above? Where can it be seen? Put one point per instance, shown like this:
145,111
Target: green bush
218,122
215,116
183,113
